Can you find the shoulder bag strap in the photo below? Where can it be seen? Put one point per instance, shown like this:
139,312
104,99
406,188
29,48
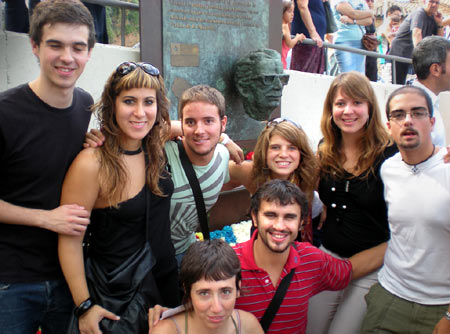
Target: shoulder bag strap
196,190
276,301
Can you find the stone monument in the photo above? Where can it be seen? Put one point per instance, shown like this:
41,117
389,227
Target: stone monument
200,41
259,80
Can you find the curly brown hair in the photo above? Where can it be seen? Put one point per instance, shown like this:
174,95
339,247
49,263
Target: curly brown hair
305,176
373,141
113,174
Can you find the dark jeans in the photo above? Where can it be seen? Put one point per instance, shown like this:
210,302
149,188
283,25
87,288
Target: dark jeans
401,70
26,306
16,16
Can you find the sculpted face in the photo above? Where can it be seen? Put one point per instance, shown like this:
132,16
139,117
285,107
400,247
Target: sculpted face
260,83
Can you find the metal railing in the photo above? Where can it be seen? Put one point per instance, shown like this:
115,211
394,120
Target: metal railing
365,53
123,7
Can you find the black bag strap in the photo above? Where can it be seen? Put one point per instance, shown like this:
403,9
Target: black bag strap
276,301
196,190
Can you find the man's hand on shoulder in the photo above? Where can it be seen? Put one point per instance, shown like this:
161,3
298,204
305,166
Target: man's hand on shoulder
93,138
68,219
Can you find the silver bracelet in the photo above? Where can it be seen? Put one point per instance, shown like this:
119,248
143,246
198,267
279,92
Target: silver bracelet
447,315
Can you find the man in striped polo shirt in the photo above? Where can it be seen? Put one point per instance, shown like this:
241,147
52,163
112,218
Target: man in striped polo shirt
278,209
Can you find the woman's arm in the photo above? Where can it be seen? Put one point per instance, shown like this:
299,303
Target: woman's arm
239,175
307,20
291,42
80,186
344,8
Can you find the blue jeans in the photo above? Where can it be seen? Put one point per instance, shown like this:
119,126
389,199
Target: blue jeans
26,306
348,61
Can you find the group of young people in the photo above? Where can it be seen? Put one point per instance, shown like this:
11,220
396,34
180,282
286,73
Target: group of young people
129,187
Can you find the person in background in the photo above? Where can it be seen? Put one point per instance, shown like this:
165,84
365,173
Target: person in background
387,32
389,28
431,62
130,263
355,144
309,19
422,22
287,42
351,18
211,279
371,62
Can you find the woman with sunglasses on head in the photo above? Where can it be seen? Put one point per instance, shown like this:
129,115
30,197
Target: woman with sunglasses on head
355,144
282,151
211,278
130,261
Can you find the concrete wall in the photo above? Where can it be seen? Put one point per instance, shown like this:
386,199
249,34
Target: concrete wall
305,93
302,98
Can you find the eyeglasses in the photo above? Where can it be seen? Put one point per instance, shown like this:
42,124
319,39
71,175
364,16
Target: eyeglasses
400,115
128,66
268,79
279,120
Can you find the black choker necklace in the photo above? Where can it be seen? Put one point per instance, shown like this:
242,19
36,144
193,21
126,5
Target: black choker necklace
126,152
414,169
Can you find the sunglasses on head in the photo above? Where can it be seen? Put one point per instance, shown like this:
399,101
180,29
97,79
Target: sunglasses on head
279,120
129,66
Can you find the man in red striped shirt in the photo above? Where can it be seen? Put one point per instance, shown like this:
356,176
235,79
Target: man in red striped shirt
278,209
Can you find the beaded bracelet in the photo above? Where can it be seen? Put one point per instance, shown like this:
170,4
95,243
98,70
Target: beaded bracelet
83,307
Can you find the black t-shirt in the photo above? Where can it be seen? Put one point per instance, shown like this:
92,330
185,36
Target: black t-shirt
37,146
356,211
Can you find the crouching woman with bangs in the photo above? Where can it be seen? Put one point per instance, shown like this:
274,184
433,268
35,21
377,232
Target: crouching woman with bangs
129,265
211,278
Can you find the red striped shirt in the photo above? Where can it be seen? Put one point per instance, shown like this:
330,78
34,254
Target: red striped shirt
315,271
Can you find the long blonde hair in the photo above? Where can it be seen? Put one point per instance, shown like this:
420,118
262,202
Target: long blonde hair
113,174
305,175
373,141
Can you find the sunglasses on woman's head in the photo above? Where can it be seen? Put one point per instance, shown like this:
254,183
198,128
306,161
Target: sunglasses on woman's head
279,120
129,66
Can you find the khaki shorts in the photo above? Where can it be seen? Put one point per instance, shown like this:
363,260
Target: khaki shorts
387,313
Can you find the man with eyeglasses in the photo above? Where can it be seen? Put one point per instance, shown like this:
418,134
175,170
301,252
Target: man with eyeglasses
413,290
42,127
259,79
419,24
431,62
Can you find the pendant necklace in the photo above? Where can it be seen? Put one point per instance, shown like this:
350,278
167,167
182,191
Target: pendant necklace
414,169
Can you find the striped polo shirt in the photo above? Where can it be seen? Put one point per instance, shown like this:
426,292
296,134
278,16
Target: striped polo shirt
315,271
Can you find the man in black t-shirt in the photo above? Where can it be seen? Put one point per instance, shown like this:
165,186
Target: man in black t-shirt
42,127
419,24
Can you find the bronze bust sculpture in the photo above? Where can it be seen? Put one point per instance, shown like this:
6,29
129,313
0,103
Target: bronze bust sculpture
259,80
